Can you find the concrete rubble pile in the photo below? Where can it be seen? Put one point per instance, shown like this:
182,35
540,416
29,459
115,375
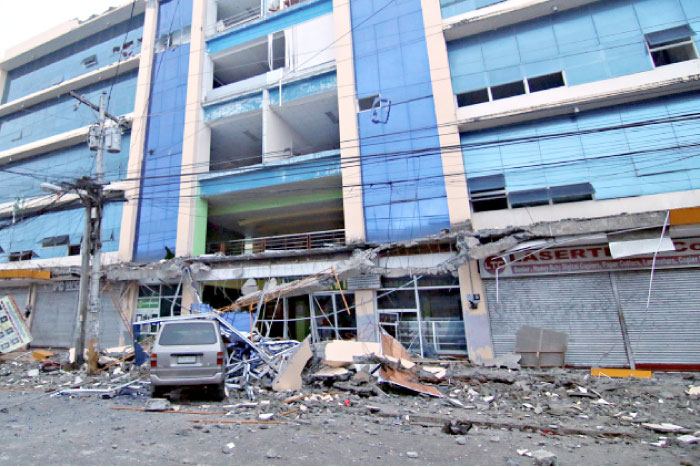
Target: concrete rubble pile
47,372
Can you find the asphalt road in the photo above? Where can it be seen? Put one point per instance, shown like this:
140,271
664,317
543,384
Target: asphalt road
86,430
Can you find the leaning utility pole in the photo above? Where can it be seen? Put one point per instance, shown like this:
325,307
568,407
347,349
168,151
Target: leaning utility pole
91,195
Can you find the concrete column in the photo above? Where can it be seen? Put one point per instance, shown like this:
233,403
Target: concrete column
192,213
188,296
349,133
477,325
212,13
3,82
280,138
367,316
127,236
446,114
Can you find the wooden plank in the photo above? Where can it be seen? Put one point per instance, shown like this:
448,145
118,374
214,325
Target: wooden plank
620,373
288,412
241,422
44,274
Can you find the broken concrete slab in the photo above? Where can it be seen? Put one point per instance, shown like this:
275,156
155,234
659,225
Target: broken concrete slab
343,353
331,373
399,377
666,428
289,376
510,361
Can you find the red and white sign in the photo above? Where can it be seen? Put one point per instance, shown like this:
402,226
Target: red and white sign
580,259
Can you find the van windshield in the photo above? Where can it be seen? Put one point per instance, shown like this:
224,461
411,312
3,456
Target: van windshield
188,334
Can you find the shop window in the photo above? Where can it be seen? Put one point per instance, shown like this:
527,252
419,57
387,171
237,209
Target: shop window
544,82
157,301
570,193
671,45
503,91
487,193
522,198
473,97
430,327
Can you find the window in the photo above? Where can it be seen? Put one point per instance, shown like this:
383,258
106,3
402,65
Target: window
366,103
516,88
487,193
20,256
544,82
671,45
73,250
473,97
536,197
188,334
89,61
570,193
507,90
55,241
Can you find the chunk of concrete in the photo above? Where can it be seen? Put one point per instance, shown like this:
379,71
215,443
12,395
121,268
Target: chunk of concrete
543,457
289,376
157,405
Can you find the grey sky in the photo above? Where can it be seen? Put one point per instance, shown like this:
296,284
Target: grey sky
21,20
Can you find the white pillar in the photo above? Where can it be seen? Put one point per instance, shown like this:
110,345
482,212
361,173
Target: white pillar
127,235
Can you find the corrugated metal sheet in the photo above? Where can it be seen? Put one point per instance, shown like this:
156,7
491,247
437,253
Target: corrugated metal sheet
669,331
582,305
55,314
19,294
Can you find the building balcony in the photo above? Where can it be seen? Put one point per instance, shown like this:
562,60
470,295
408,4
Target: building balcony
300,241
231,14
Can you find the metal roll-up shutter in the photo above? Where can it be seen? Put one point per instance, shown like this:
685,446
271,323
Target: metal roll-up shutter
54,317
111,325
19,294
669,331
581,305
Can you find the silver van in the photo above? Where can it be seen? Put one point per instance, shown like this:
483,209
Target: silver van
188,353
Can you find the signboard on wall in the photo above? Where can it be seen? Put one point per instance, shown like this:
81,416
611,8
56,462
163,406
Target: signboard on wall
14,332
582,259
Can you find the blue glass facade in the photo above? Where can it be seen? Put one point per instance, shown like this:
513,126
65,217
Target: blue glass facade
626,150
160,188
595,42
403,188
28,232
107,47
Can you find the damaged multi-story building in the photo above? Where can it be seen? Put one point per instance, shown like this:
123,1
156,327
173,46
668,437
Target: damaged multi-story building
450,171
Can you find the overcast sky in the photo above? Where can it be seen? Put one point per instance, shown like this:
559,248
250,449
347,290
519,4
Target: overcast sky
23,19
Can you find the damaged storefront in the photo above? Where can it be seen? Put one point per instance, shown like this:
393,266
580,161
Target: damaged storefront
615,315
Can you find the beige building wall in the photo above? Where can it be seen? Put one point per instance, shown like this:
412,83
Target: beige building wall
446,115
192,213
138,134
476,319
349,132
